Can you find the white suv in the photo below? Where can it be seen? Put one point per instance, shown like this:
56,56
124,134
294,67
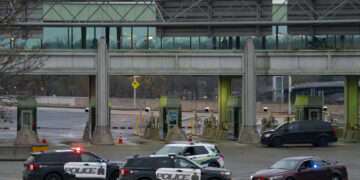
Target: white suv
202,153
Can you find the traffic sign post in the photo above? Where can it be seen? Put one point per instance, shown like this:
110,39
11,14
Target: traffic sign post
135,84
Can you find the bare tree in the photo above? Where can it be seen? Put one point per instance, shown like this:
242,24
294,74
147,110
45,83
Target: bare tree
16,56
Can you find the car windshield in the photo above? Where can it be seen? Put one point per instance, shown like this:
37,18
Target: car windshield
282,126
288,164
170,149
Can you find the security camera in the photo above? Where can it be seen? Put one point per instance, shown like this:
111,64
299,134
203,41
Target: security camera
265,109
206,109
87,109
147,109
325,108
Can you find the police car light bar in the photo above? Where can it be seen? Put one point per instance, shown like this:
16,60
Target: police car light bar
77,149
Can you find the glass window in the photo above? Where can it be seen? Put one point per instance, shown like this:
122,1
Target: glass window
91,41
294,128
55,37
154,42
206,43
4,43
168,43
200,150
190,151
125,38
139,162
162,163
89,158
195,42
170,149
113,38
287,164
183,163
140,38
307,126
76,38
70,157
182,43
307,164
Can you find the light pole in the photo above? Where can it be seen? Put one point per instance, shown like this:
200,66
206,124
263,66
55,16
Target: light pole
289,95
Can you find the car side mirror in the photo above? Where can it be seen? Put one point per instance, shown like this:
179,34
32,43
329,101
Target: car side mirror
193,167
187,154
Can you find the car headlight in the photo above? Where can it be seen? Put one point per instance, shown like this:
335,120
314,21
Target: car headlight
225,173
267,135
275,177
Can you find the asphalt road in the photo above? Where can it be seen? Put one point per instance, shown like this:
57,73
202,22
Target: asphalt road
241,159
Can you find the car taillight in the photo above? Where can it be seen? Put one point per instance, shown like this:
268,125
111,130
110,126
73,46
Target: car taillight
334,131
222,156
124,171
33,166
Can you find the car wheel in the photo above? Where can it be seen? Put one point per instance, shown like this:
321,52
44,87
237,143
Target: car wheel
114,175
213,179
290,178
213,165
323,141
335,177
277,141
53,176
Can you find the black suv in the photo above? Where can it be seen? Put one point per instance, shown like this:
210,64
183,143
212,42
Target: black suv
315,132
169,167
69,165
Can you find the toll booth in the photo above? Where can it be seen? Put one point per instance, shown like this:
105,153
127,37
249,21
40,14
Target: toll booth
26,113
234,117
308,108
92,115
170,114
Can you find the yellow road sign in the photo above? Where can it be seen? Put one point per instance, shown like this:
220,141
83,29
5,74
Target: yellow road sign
135,84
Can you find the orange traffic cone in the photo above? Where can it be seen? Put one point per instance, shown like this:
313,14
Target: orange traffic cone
44,140
120,139
190,138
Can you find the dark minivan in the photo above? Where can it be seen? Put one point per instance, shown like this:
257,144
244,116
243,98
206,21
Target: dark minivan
315,132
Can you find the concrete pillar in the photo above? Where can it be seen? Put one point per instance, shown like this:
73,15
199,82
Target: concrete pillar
102,133
351,94
248,133
224,93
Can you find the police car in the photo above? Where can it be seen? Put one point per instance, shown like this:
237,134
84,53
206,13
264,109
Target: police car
169,167
69,165
201,153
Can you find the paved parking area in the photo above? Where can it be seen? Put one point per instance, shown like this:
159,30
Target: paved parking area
241,159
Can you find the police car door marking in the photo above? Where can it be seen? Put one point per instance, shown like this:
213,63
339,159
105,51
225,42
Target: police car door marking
95,170
171,174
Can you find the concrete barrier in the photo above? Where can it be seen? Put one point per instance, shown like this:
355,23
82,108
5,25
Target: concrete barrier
14,153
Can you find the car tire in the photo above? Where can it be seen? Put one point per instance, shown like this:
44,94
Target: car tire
315,144
277,141
213,164
53,176
323,141
335,177
290,178
114,175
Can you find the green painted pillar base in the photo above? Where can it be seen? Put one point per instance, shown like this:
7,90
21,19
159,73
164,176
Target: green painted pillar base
224,94
351,95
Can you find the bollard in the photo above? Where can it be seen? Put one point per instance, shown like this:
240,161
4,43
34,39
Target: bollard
192,124
44,140
120,139
190,138
137,125
142,125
